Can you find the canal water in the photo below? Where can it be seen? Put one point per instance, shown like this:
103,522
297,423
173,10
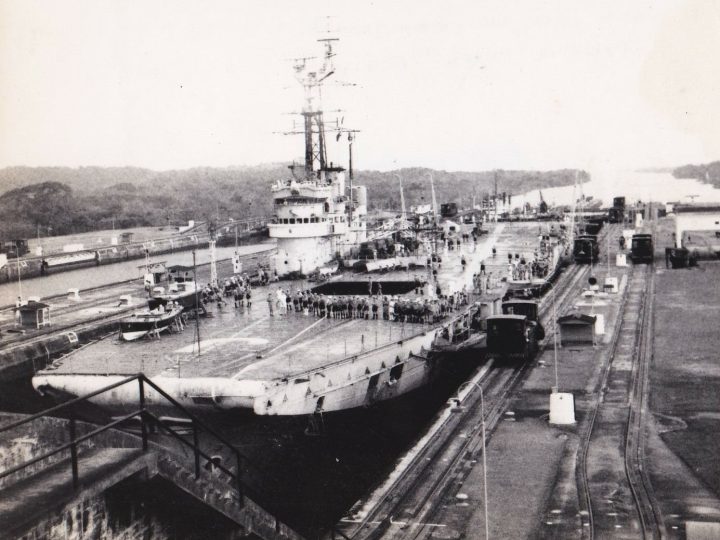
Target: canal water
95,276
633,185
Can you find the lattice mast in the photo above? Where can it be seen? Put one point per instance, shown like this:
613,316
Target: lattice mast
312,77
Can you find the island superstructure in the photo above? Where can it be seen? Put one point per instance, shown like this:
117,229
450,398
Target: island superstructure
317,216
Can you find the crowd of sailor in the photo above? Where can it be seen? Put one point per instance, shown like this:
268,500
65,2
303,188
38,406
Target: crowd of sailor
520,269
420,309
238,287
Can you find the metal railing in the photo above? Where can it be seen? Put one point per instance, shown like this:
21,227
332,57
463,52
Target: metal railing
147,419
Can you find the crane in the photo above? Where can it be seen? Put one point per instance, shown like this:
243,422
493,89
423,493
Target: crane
543,205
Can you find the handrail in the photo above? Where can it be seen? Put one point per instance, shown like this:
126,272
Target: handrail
180,438
422,331
190,415
144,415
66,446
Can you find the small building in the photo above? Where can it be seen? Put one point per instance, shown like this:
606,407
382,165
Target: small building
126,237
34,315
576,329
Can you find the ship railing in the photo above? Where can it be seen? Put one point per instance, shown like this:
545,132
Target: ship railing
367,352
147,419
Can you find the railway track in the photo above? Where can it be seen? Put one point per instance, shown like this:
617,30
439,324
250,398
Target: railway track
407,507
68,314
405,510
616,496
109,291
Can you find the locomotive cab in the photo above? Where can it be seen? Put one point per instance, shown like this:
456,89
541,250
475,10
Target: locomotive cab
642,249
529,309
586,249
511,338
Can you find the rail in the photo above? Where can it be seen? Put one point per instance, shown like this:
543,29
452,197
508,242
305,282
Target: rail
639,489
147,419
651,519
432,472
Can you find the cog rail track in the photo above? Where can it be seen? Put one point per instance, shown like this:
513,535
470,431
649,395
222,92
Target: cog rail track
406,508
617,499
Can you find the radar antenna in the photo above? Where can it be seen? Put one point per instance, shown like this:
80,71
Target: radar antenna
312,74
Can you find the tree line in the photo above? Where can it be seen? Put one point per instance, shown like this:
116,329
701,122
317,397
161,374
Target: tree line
708,173
60,200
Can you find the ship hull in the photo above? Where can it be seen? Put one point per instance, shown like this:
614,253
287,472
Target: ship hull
360,381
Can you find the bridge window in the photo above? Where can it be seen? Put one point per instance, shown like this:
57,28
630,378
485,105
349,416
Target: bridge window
292,221
306,220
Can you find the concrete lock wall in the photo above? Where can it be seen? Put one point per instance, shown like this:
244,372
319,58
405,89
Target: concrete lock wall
25,360
130,510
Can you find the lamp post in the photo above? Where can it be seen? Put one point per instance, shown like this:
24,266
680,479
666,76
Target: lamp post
403,216
562,407
19,270
555,351
482,428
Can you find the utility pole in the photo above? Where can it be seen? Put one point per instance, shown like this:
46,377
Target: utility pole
197,305
213,262
350,176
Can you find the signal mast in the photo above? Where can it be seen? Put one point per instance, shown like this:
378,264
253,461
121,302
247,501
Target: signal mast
312,75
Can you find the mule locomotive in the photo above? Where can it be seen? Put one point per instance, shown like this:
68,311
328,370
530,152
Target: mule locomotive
515,335
586,249
642,250
617,213
511,338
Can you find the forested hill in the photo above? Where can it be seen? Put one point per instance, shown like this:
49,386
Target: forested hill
708,172
62,200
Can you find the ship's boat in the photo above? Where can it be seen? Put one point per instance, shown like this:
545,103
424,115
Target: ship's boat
148,322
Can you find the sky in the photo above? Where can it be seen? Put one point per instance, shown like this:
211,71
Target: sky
453,85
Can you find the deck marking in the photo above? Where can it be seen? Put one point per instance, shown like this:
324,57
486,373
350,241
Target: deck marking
212,343
211,346
271,351
293,338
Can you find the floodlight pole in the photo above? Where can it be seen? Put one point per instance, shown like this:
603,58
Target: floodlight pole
482,429
555,352
484,454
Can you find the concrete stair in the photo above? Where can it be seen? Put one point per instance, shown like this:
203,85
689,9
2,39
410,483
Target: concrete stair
50,491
